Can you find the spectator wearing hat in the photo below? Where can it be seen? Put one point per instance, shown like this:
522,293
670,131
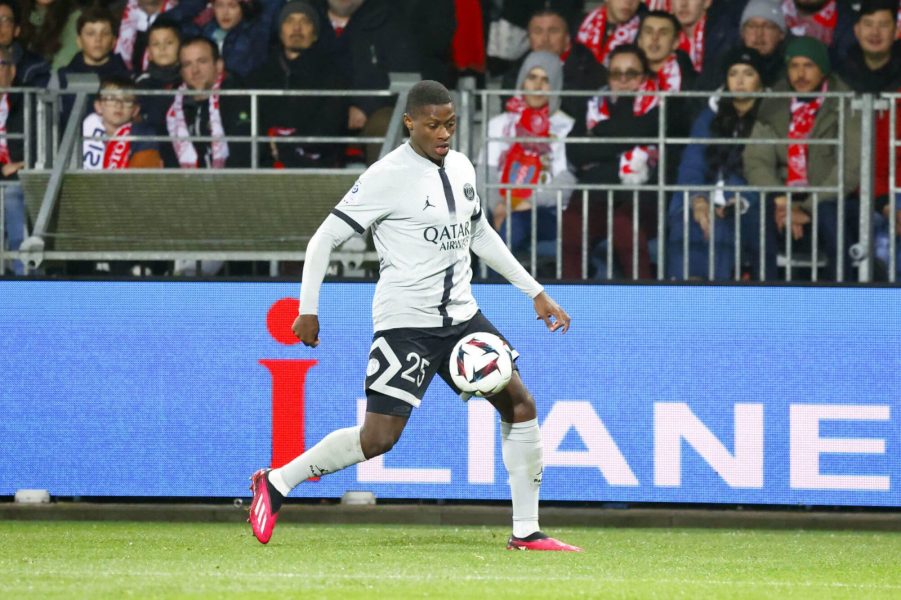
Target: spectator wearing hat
300,62
709,163
796,164
762,27
534,116
548,31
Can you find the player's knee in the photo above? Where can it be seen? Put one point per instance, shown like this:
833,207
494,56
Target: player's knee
376,443
523,406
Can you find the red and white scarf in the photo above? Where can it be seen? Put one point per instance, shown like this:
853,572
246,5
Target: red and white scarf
104,154
669,76
820,25
134,19
803,116
666,5
4,143
594,27
525,162
178,129
599,110
694,46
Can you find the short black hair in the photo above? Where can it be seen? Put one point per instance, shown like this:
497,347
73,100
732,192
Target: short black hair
163,22
631,49
199,39
426,93
97,14
118,82
550,12
661,14
868,7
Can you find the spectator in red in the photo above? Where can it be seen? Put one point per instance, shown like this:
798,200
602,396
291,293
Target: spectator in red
614,121
115,111
873,65
612,24
537,116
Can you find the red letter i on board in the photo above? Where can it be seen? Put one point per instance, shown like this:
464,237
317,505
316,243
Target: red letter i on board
288,378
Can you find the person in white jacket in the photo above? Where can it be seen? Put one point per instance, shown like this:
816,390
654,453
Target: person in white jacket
529,162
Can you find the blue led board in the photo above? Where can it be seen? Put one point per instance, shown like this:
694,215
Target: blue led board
694,394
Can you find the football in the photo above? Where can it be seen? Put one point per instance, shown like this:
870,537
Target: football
481,364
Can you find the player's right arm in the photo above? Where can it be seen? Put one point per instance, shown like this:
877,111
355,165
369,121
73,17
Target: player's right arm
332,233
361,206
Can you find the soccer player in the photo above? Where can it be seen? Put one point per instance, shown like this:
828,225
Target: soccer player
421,204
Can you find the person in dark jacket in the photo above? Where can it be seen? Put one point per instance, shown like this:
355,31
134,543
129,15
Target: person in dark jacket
300,63
163,72
96,39
374,39
243,37
709,29
615,120
873,63
712,214
31,69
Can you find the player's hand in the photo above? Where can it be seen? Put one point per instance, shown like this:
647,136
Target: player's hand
306,328
550,312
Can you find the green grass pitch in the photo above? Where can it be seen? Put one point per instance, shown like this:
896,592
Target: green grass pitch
161,560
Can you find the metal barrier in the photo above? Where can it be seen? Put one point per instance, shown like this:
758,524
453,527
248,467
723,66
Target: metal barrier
46,148
860,255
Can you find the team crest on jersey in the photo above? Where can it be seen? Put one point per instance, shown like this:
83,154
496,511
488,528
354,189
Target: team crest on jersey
351,196
469,192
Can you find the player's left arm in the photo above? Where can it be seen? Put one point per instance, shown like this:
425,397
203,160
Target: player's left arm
489,246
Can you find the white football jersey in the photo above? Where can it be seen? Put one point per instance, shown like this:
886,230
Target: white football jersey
422,218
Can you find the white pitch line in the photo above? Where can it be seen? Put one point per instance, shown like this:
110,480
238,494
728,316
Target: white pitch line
100,572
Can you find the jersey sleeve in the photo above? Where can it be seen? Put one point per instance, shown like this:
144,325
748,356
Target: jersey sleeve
365,203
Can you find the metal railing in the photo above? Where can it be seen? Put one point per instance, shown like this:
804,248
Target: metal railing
45,147
859,255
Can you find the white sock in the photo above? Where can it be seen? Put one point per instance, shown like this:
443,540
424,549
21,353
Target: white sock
336,451
521,447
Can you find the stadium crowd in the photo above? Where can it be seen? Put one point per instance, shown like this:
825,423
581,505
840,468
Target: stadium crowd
742,46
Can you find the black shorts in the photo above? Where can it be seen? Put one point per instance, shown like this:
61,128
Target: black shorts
402,363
